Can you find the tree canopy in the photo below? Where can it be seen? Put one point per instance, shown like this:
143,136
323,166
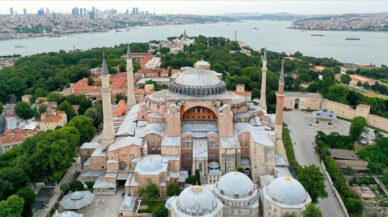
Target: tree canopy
23,110
173,189
313,181
312,210
357,127
12,207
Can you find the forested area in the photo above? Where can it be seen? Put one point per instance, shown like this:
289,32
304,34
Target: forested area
56,70
43,157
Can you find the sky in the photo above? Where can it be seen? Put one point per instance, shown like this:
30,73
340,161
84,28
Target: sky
202,7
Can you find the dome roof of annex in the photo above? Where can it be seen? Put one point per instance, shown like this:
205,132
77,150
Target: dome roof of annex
197,82
235,185
197,201
287,191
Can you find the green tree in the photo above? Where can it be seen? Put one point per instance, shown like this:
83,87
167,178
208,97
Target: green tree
6,189
345,79
40,92
164,50
85,127
142,192
313,181
366,85
1,108
76,185
23,110
359,83
197,177
42,109
94,115
54,97
15,176
357,127
152,192
64,187
160,211
312,210
241,170
28,196
338,93
173,189
12,207
191,180
67,108
119,96
90,81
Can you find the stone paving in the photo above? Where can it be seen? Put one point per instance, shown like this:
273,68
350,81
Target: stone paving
105,206
303,136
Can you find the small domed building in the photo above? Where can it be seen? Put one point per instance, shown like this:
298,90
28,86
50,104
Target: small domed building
284,196
195,201
238,194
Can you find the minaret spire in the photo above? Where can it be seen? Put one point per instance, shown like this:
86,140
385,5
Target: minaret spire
263,100
279,148
131,100
108,133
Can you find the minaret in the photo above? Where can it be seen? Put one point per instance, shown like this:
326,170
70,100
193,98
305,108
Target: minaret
279,148
184,36
108,133
131,100
263,100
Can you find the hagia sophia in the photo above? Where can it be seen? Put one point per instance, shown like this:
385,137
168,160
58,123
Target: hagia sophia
196,124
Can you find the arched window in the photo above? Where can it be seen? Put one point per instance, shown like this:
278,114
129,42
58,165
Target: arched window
212,142
122,165
187,142
200,167
235,196
222,192
213,157
149,181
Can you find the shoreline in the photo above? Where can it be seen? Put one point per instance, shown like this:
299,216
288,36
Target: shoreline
319,30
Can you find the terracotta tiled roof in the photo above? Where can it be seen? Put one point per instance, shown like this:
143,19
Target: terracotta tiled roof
75,107
52,119
145,60
175,71
40,98
120,109
140,91
16,135
152,71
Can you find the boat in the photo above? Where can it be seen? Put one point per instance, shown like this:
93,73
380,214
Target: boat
75,50
20,46
127,30
316,35
256,29
352,39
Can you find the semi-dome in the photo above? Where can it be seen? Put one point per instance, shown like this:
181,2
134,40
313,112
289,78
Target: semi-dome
197,201
288,191
235,185
197,82
151,165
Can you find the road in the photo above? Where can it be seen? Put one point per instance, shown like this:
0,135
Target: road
303,137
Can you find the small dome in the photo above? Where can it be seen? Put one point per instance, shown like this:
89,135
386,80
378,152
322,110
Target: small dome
287,191
69,214
169,201
151,163
214,165
77,195
235,185
197,200
197,77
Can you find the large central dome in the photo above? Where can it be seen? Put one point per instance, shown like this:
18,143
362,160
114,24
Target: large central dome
197,77
197,82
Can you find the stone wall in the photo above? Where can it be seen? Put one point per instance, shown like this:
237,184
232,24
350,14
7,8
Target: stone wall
348,112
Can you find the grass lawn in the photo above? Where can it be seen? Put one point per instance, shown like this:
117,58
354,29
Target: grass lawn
151,206
359,147
381,96
288,144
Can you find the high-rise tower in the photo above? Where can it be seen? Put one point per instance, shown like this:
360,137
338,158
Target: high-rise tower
184,36
131,100
279,148
108,133
263,100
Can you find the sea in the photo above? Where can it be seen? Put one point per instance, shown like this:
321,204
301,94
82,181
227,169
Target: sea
371,49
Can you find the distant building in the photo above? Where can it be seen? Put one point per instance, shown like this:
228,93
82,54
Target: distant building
25,11
11,11
52,119
27,98
324,118
301,100
13,138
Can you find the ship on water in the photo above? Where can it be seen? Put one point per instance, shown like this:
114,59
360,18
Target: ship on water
20,46
316,35
352,39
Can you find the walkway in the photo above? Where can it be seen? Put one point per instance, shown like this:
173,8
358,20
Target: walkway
57,192
381,184
305,154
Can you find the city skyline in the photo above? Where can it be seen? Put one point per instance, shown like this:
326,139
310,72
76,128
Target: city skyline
203,8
